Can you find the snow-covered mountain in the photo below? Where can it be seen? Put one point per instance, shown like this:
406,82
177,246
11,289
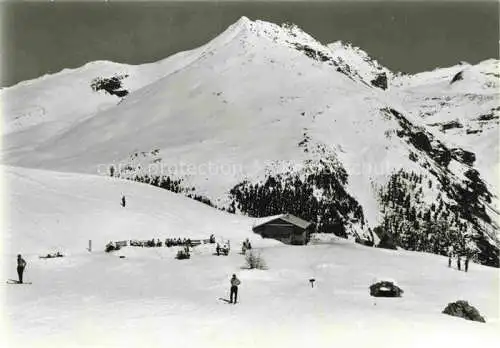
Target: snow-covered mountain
265,119
460,105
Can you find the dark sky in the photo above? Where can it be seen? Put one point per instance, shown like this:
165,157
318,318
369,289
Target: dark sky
43,37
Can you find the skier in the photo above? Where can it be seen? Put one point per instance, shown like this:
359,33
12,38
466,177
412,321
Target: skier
234,289
449,261
123,201
217,249
20,267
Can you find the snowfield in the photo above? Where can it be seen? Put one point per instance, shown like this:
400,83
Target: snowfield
55,211
150,298
259,100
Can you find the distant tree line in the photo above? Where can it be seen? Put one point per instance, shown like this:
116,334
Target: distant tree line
319,197
413,224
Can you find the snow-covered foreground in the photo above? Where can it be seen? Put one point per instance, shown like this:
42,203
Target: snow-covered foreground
151,299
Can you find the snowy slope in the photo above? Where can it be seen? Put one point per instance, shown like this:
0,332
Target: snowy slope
35,110
463,113
256,102
51,211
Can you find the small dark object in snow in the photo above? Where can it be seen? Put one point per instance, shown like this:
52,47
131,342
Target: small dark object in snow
112,85
51,256
312,280
183,255
122,257
111,247
463,309
385,289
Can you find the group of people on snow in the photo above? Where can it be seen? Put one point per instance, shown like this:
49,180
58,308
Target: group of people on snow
224,249
245,246
465,256
169,242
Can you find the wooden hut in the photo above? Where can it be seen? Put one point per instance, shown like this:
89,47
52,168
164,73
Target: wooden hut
286,228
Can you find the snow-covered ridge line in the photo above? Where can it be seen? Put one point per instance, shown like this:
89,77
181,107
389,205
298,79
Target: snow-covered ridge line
288,34
487,69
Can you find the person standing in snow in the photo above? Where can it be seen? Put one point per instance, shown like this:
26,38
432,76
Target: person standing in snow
123,201
234,289
21,264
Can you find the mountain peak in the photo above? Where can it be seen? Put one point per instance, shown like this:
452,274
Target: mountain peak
243,21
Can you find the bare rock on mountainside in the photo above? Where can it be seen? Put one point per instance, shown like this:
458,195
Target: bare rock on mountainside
112,85
458,76
380,81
